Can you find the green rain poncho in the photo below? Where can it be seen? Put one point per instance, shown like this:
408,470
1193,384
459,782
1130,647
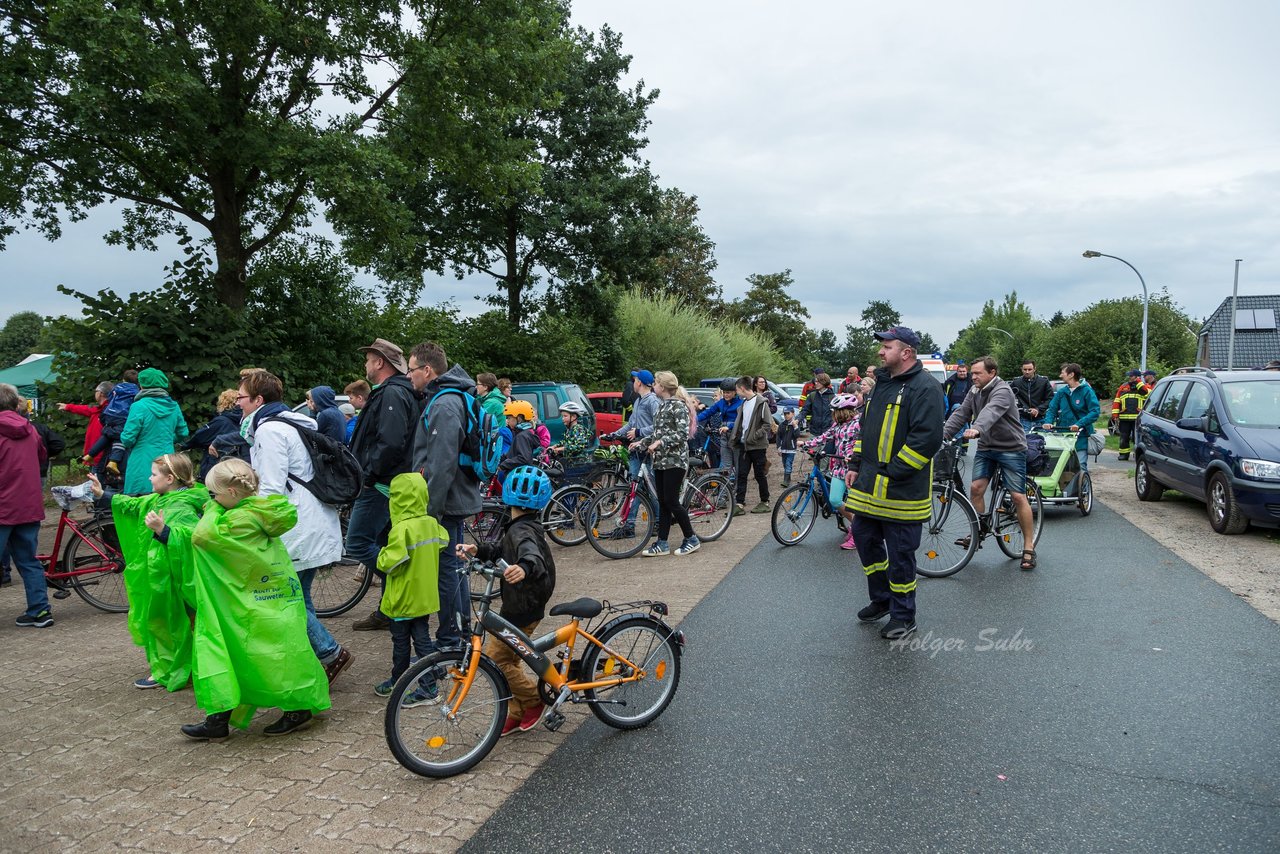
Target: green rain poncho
156,577
251,649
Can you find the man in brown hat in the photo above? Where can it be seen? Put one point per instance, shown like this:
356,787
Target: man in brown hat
383,445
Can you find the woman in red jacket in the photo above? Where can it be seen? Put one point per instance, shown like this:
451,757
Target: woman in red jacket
93,413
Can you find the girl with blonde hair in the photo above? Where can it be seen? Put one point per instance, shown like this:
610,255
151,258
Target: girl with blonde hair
669,446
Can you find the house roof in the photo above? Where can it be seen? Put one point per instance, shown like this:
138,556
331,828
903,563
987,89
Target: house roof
1254,347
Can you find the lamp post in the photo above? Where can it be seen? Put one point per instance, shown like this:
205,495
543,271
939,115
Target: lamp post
1089,253
998,329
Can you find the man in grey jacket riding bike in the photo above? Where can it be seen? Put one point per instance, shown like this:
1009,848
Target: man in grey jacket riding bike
993,410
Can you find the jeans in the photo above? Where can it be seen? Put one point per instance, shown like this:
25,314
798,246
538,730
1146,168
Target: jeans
21,542
788,460
1082,454
454,595
417,632
322,643
1013,468
1028,424
368,526
634,462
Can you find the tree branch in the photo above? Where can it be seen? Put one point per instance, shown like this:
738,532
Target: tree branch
282,222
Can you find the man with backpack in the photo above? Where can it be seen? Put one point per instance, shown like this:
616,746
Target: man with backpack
448,428
383,445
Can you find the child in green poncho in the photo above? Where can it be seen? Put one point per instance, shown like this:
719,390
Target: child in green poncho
155,537
251,649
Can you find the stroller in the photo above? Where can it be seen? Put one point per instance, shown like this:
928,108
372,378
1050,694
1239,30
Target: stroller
1062,483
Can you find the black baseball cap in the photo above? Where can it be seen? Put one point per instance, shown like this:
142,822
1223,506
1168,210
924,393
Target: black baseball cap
900,333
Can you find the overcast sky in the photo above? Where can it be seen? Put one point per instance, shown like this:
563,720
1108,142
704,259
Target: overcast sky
934,154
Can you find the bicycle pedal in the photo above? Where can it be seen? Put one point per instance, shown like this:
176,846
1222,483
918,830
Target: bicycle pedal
553,720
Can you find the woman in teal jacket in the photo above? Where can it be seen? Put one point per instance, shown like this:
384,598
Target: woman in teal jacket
155,427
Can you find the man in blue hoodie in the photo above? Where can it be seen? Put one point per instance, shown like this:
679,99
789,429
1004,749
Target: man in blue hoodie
324,408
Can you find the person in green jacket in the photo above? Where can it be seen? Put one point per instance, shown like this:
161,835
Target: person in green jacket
491,398
251,649
155,537
411,560
155,426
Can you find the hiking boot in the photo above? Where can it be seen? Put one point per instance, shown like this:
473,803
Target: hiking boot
786,481
739,509
289,722
898,629
688,547
873,612
339,664
213,728
421,695
375,622
658,549
43,620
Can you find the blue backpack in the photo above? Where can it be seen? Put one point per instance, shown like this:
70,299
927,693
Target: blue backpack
481,449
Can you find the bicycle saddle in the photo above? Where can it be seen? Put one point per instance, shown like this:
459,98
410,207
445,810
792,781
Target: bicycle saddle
584,607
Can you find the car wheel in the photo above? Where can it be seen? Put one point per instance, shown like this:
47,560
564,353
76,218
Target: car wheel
1224,512
1149,489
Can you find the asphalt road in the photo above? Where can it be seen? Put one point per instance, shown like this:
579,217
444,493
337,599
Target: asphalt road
1134,705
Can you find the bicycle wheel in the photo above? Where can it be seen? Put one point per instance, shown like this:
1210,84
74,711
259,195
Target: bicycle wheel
608,529
794,514
102,581
1007,530
424,739
652,648
1085,503
339,587
949,540
710,507
484,528
563,516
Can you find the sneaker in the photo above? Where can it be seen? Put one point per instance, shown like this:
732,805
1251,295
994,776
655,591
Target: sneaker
688,547
146,683
512,725
897,629
422,696
289,722
212,728
739,509
849,544
383,689
375,622
339,664
762,507
873,612
43,620
658,549
530,718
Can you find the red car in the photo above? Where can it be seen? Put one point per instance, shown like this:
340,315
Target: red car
608,407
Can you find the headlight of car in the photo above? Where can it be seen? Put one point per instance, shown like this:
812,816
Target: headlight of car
1260,469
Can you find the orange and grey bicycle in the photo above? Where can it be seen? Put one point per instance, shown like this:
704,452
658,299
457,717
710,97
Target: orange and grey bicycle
627,673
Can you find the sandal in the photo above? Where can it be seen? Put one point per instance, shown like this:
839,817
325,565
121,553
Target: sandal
1028,559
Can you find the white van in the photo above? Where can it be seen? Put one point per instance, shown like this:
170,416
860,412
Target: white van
935,368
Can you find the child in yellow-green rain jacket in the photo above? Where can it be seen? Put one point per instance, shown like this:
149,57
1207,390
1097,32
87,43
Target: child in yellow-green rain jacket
411,560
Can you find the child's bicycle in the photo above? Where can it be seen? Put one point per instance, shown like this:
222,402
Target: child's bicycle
627,672
91,563
797,508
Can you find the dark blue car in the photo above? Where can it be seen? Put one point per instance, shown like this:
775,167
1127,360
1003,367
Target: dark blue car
1216,437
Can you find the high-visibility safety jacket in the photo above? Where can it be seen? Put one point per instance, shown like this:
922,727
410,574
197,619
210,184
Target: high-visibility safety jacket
901,432
1129,400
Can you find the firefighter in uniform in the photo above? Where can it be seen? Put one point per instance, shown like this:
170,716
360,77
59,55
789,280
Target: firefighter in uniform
890,475
1128,402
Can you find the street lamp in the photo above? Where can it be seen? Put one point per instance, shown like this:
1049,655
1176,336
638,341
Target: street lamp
998,329
1089,253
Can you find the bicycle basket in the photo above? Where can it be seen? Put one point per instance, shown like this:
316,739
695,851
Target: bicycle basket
944,462
67,497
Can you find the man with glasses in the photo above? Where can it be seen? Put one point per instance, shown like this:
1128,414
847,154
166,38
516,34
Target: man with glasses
383,445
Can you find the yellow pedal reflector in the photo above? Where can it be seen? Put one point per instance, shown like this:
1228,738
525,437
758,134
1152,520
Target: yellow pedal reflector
435,742
660,670
609,665
931,555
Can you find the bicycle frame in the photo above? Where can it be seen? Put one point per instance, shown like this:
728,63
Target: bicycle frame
50,560
819,490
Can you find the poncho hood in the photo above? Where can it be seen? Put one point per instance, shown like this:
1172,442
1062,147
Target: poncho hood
273,513
408,497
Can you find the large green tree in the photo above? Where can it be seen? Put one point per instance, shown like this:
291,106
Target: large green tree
768,308
223,120
20,337
1007,331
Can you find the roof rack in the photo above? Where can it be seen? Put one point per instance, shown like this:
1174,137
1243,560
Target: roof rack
1196,369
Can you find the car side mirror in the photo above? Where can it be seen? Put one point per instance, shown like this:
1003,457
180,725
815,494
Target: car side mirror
1201,424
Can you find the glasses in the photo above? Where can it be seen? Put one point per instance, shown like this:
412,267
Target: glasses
242,397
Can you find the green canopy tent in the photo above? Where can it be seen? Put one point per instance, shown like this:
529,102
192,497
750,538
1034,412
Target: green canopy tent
26,375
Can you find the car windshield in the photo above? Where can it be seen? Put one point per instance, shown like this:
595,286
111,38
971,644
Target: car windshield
1253,403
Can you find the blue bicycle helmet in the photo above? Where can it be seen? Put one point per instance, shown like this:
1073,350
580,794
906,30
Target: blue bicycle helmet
526,486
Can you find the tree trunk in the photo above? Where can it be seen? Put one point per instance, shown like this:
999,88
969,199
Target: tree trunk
512,280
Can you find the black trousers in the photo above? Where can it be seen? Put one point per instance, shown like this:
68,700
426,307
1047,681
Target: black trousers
888,554
1126,426
747,460
668,482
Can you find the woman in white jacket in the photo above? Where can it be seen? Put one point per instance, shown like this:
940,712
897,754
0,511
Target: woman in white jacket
276,451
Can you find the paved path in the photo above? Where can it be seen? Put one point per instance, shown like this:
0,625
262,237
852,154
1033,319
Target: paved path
1141,712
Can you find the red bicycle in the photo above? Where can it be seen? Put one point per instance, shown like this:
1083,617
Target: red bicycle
91,563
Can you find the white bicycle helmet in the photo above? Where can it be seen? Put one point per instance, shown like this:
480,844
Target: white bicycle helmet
574,407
